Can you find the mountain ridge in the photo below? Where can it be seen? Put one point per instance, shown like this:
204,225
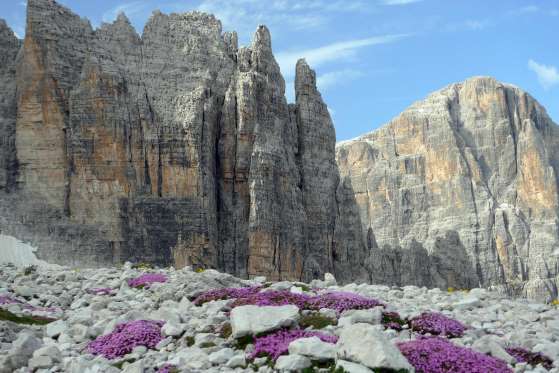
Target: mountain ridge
178,147
471,167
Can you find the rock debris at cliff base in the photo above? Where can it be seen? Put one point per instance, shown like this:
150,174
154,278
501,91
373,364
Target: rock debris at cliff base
105,319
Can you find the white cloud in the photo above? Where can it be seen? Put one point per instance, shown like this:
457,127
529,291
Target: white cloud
399,2
131,9
244,15
332,52
548,76
524,10
333,78
476,25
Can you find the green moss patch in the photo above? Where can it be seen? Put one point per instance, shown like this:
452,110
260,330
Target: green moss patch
316,321
26,319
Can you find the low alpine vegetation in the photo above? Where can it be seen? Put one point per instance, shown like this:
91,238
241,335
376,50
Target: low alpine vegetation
437,324
145,280
533,358
439,355
125,337
276,344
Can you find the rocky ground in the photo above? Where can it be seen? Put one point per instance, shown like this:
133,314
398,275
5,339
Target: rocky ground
139,319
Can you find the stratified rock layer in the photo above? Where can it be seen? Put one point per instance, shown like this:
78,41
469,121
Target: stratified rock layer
460,190
9,46
172,147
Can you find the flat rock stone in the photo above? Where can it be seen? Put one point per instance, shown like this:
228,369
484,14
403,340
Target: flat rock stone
135,367
172,329
252,320
237,361
49,350
487,345
55,328
222,356
313,348
371,316
40,362
350,367
292,363
365,344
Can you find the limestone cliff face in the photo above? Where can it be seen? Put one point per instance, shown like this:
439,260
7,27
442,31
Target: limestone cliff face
460,190
9,47
175,147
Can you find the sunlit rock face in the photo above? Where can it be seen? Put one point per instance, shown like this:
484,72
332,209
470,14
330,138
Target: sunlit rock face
178,147
461,190
173,147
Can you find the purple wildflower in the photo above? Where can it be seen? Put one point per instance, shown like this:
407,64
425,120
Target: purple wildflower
146,280
100,291
392,320
438,355
339,301
342,301
276,344
273,298
125,337
523,355
225,293
167,368
8,299
437,324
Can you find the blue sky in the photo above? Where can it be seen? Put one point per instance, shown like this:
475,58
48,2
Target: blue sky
375,57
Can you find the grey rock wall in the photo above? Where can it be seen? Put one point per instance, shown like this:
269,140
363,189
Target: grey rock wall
9,47
460,190
173,147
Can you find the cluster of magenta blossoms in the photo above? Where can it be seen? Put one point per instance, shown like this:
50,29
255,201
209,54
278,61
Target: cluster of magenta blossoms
339,301
393,320
225,293
342,301
439,355
273,298
145,280
437,324
523,355
100,291
8,300
276,344
125,337
167,368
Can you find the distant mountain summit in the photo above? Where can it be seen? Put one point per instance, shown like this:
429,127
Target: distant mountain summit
461,190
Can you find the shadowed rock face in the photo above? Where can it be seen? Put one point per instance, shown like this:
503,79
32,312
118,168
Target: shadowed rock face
461,190
9,46
174,147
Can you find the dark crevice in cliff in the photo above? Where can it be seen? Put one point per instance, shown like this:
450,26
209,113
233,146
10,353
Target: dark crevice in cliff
454,111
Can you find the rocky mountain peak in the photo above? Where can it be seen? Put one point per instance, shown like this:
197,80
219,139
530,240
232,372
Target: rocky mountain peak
173,147
262,39
469,172
305,78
